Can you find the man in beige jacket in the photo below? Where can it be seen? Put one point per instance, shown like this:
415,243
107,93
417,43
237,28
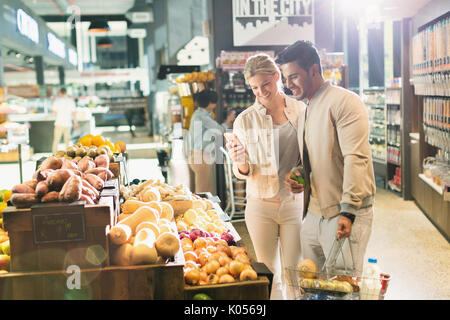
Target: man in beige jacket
335,152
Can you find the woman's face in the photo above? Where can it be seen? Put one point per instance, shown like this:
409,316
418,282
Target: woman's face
264,87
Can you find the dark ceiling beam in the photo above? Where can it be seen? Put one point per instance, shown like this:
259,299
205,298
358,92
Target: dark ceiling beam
58,18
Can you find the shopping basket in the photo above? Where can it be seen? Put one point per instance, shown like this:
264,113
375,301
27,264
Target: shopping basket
333,283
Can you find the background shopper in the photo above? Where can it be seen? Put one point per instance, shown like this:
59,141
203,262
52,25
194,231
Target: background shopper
263,149
333,141
65,110
204,132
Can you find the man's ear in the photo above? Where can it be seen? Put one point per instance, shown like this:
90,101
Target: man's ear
314,70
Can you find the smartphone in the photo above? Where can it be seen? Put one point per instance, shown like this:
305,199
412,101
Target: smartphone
229,136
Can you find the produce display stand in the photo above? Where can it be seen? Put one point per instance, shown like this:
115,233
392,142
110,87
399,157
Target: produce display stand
63,251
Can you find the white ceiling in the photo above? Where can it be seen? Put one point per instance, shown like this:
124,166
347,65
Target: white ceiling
86,7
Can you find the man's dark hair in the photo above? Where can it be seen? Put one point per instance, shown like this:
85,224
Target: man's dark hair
63,90
303,53
205,97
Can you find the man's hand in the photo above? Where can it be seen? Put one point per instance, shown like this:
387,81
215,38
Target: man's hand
292,185
344,228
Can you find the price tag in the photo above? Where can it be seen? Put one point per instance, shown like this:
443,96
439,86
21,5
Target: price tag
58,223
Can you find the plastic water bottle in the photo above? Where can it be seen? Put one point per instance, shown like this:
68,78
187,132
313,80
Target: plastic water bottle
371,284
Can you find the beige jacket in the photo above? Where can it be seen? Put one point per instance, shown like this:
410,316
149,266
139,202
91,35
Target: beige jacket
336,133
255,131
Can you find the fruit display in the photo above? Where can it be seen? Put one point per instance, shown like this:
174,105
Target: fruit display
156,190
64,180
92,146
204,77
210,261
5,251
199,218
145,234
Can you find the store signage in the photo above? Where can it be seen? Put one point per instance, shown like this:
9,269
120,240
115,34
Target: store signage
272,22
137,32
73,56
58,223
27,26
56,46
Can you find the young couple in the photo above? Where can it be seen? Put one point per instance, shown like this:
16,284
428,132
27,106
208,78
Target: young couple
328,136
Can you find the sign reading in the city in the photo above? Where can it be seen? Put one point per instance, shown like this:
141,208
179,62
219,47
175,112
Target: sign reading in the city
56,46
27,26
272,22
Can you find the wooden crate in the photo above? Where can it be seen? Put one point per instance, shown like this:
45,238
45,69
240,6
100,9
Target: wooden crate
150,282
239,290
26,255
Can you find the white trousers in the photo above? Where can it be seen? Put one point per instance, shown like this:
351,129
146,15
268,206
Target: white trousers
318,235
274,225
57,133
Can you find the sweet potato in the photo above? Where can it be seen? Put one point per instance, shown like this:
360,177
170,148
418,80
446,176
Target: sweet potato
88,192
52,196
24,200
41,175
31,183
95,181
86,198
93,191
102,161
58,178
69,164
42,188
71,191
97,171
86,164
51,163
22,188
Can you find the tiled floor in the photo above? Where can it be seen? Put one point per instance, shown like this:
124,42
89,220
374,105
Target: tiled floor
406,244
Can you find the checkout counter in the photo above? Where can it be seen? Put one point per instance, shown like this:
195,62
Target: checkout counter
41,127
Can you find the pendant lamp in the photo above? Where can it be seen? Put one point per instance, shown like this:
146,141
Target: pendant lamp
99,25
105,42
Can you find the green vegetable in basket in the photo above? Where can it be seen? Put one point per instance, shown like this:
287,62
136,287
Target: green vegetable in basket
202,296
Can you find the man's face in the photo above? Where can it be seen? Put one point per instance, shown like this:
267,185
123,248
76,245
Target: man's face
297,80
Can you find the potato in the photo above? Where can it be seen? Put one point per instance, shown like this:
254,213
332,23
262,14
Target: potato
24,200
57,179
31,183
52,196
95,181
60,154
71,190
92,152
42,188
81,152
22,188
71,151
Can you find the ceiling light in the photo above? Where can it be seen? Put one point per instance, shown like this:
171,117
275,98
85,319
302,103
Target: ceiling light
141,12
99,25
105,42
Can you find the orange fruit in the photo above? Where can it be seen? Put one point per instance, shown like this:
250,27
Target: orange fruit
191,256
121,145
86,140
98,140
200,243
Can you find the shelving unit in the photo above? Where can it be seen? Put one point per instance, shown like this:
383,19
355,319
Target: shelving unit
394,141
431,113
374,99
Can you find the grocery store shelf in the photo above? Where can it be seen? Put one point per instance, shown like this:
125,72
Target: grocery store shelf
430,182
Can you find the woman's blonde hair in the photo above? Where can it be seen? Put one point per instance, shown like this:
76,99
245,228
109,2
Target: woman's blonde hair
260,63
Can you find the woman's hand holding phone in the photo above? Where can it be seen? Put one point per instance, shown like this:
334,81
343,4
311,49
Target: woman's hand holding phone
237,152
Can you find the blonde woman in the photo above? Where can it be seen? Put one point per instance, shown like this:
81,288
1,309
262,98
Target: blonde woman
264,148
